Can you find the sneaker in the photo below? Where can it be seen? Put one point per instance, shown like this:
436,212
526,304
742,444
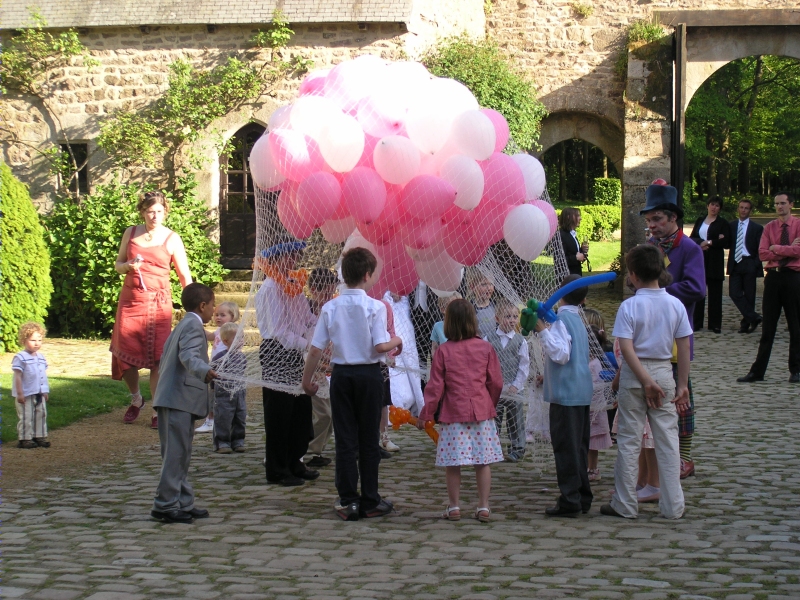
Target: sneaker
348,512
648,494
42,442
206,427
384,508
27,444
318,461
387,444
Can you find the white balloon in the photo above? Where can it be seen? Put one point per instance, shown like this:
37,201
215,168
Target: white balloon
396,159
533,173
341,142
337,231
310,115
474,134
262,166
352,80
466,176
431,164
526,231
453,94
280,119
428,126
382,114
405,79
442,273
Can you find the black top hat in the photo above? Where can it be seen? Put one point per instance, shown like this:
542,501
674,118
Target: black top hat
661,197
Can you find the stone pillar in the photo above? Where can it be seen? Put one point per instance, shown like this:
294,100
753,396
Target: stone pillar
648,124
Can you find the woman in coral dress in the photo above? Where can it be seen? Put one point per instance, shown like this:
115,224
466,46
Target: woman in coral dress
144,311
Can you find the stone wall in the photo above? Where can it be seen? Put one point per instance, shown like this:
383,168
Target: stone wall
134,68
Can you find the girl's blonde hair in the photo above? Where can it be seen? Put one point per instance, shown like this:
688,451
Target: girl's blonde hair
26,330
593,317
443,301
232,308
228,331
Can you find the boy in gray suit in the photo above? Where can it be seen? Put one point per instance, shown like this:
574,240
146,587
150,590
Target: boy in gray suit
182,396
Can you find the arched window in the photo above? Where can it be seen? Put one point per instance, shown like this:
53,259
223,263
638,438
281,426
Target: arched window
237,217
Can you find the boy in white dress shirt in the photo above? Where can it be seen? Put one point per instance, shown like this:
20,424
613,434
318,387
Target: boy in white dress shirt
356,325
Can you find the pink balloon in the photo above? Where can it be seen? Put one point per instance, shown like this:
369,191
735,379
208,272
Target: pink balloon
426,196
291,220
461,244
368,156
549,212
364,193
489,219
385,227
398,268
503,179
296,155
337,231
421,234
314,83
500,128
457,215
429,253
318,197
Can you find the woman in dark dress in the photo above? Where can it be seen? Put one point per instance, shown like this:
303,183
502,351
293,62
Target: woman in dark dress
712,234
575,252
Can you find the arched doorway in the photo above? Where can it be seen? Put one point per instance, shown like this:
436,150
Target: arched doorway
237,217
571,166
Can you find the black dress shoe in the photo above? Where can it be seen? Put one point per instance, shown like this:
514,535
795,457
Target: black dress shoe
308,475
609,511
795,378
198,513
171,516
318,461
385,453
292,481
557,511
750,378
754,325
384,508
744,328
715,330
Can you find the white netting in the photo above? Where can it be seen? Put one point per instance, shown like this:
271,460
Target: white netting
382,156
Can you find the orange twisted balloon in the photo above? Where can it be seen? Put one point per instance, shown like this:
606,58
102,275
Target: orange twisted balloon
401,416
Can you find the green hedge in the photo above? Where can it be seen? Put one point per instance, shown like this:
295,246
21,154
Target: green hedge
84,242
607,191
598,222
25,285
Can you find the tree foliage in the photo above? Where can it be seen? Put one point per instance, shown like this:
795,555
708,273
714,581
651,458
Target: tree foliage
743,129
25,285
84,240
490,76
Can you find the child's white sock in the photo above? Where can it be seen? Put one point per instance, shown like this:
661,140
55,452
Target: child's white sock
647,490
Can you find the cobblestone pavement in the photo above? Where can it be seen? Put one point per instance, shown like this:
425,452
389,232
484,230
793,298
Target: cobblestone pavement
91,537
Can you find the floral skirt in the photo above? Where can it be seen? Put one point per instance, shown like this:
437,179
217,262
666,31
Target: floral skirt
471,443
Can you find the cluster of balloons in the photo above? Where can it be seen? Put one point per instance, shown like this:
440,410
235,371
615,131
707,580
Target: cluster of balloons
406,163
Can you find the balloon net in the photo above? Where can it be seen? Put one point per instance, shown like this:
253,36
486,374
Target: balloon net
385,157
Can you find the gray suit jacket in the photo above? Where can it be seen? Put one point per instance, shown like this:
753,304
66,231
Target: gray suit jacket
183,369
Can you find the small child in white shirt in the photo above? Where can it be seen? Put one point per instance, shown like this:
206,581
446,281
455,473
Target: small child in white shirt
227,312
30,388
648,326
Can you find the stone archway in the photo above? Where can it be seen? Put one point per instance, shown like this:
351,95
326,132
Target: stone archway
601,132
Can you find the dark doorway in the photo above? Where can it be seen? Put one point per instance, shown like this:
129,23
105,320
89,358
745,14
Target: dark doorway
237,200
571,167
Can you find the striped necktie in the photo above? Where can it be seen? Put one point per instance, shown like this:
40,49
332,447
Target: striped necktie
739,244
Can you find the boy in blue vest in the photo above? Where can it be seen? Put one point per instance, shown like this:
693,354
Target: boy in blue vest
515,362
568,390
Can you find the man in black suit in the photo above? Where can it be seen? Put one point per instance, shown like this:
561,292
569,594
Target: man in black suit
744,266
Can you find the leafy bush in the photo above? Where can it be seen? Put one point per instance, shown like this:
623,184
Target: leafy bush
638,31
490,76
85,239
597,222
607,191
25,285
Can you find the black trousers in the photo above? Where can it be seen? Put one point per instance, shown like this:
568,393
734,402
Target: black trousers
781,292
287,419
569,432
356,404
742,288
714,294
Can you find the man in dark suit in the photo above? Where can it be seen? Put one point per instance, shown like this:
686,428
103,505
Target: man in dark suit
744,266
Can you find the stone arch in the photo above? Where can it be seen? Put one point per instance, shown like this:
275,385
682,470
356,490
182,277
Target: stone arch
597,130
708,49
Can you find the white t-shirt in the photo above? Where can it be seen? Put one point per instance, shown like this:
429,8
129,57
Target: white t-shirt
653,320
355,324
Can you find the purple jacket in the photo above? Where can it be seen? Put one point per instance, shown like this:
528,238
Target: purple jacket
688,276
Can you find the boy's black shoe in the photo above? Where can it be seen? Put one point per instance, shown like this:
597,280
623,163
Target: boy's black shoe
384,508
291,481
557,511
27,444
309,475
609,511
384,453
318,461
171,516
198,513
42,442
348,512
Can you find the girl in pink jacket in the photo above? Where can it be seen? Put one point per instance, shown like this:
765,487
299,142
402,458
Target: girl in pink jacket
461,394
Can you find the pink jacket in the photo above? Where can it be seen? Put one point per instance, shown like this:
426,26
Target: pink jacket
465,382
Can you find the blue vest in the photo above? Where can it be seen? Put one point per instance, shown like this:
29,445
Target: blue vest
570,384
509,356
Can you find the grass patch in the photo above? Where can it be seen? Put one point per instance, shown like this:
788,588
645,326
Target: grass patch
601,255
71,399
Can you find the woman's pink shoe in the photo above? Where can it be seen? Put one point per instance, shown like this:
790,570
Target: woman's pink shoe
132,413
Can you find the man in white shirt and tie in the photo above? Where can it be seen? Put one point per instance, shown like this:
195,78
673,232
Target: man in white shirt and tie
744,266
